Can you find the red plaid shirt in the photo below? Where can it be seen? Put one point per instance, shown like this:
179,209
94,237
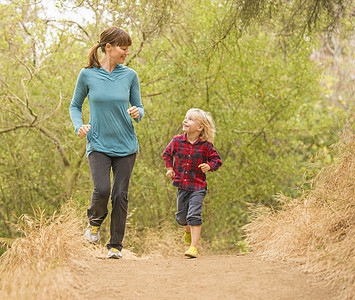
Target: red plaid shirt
188,176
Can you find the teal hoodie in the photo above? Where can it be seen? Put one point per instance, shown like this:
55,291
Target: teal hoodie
109,94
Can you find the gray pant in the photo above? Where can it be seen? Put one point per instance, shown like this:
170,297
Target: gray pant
100,167
189,207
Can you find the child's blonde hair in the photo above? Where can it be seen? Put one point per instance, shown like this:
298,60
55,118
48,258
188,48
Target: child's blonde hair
208,131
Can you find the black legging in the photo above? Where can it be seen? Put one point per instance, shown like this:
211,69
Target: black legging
100,167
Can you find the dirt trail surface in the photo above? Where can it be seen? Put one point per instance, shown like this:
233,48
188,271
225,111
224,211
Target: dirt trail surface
207,277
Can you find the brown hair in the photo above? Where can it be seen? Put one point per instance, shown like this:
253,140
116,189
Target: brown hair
112,35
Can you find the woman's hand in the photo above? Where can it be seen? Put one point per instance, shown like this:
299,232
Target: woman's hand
133,112
170,173
204,167
83,130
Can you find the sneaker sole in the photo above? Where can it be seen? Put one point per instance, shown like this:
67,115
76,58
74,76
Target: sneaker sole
114,257
191,255
92,241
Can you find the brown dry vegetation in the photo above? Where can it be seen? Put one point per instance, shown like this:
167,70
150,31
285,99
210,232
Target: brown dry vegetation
47,261
160,242
316,229
164,241
40,264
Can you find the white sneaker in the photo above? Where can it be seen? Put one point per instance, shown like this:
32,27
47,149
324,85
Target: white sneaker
114,253
92,234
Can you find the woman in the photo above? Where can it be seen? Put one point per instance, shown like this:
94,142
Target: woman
111,138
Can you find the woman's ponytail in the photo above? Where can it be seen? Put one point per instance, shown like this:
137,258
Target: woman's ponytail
94,57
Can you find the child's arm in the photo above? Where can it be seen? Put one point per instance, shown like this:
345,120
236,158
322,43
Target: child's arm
169,159
204,167
214,161
170,173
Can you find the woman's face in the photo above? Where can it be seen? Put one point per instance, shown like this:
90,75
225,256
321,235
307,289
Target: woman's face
119,53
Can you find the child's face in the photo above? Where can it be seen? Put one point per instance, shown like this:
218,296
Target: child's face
192,123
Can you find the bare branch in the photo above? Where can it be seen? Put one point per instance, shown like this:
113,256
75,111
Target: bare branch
32,117
70,22
54,111
14,128
152,95
152,81
11,92
56,141
138,51
30,72
261,131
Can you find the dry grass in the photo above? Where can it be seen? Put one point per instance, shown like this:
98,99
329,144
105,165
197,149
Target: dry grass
165,241
317,229
40,264
46,262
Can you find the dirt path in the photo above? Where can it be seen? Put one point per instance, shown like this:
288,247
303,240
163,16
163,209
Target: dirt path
208,277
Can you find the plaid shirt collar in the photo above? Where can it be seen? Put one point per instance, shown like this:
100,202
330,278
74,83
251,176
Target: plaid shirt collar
184,139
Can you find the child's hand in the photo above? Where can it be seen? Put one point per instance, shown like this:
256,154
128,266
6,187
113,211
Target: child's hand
204,167
170,174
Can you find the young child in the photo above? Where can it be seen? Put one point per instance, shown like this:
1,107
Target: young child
194,156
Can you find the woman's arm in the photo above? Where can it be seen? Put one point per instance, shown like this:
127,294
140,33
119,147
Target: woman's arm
76,104
135,100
